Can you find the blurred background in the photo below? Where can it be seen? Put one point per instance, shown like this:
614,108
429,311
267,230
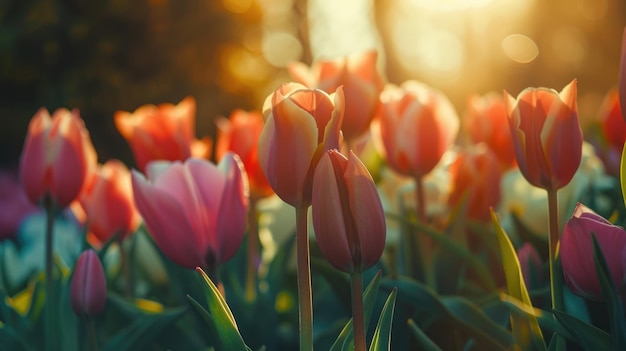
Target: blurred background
103,56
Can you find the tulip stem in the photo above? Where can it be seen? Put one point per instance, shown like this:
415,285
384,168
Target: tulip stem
421,244
556,285
127,270
304,279
50,320
358,321
93,339
253,251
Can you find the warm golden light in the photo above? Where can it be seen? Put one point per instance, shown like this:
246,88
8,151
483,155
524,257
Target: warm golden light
520,48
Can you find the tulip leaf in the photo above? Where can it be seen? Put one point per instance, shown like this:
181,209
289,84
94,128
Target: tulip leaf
522,327
345,340
382,335
422,339
220,321
426,302
613,303
591,337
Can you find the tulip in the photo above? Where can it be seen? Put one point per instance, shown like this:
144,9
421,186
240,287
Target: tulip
14,205
300,125
361,83
57,157
546,134
108,202
163,132
577,252
531,264
614,131
88,288
195,211
417,125
486,122
240,134
348,216
476,176
622,76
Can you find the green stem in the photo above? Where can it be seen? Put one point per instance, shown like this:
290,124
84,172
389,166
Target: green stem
253,251
556,282
358,320
49,312
93,339
127,271
422,245
304,279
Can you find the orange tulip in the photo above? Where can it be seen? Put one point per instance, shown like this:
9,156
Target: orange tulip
361,83
57,157
108,202
348,215
546,134
614,131
486,122
163,132
622,76
417,125
240,134
476,175
300,125
88,289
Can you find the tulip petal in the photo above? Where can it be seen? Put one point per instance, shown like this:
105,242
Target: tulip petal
166,219
88,286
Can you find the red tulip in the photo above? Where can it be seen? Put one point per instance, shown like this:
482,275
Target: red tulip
88,289
417,125
613,125
361,83
530,263
300,125
486,122
240,134
163,132
108,202
348,216
57,156
195,211
577,252
475,176
622,76
546,134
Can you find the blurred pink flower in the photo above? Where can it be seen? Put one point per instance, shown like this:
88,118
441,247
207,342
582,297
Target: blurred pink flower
88,288
14,204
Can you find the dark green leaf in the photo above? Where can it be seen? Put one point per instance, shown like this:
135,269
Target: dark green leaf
382,335
422,339
589,336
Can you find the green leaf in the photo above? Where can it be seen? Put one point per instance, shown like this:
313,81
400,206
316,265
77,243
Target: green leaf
422,339
382,335
345,340
591,337
526,331
613,303
222,325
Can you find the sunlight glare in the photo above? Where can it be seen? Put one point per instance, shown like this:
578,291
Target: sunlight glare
520,48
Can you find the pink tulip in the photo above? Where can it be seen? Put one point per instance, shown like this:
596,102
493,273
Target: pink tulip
546,135
577,252
348,216
162,132
57,157
417,125
108,202
300,125
361,83
88,289
530,263
14,205
195,211
622,76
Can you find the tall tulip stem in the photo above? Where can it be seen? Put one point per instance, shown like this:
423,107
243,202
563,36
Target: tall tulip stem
304,279
556,280
358,321
127,270
420,245
93,339
50,340
253,251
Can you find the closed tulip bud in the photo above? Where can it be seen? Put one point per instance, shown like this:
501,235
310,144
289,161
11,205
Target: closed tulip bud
301,124
577,252
108,202
240,134
195,211
486,122
348,216
361,83
417,125
475,177
57,157
162,132
88,289
546,134
531,264
622,76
